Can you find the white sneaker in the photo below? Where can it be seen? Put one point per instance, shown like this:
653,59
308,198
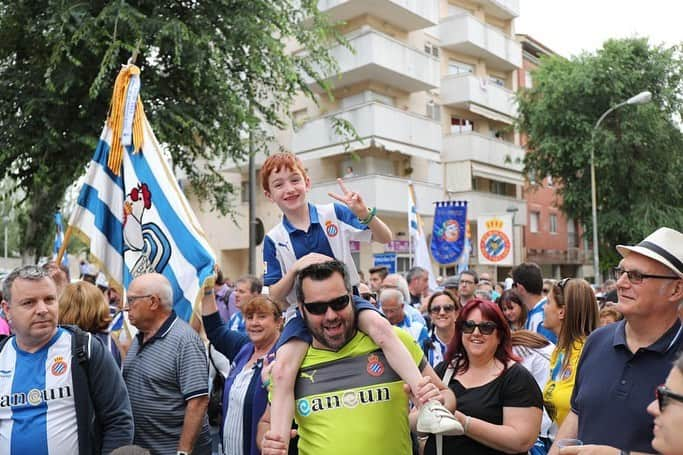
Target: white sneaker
435,418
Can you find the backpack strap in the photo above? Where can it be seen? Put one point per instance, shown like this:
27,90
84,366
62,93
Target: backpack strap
3,341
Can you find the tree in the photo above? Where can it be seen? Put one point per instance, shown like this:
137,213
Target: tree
210,70
638,149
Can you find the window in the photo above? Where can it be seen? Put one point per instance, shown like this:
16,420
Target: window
433,111
431,49
459,125
402,264
528,79
553,223
497,81
572,237
533,221
456,67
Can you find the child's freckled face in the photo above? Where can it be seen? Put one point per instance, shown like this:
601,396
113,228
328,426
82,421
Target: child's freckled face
288,189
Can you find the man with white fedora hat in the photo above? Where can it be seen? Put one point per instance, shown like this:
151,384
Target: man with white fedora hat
623,363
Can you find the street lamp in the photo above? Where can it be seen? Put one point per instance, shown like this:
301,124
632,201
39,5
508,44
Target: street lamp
640,98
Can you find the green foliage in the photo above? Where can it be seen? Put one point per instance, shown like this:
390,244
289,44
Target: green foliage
638,148
210,70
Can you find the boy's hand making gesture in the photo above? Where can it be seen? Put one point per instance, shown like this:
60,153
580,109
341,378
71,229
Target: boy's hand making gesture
354,201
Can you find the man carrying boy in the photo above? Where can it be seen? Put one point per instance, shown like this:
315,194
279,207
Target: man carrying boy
311,234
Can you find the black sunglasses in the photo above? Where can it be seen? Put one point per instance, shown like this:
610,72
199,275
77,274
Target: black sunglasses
436,309
664,396
485,328
369,295
319,308
636,277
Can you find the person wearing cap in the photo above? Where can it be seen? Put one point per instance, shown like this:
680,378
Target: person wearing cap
451,284
622,363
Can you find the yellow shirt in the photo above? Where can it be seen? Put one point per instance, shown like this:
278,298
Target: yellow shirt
558,390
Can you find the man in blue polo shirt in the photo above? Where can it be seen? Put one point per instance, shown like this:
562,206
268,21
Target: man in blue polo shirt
623,363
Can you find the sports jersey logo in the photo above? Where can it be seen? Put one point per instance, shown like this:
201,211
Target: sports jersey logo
34,397
331,229
375,366
304,408
350,399
566,373
310,377
59,366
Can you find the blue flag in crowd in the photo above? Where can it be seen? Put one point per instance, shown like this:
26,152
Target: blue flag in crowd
448,236
135,216
59,239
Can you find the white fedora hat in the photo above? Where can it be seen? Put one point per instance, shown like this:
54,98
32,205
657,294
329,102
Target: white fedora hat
665,246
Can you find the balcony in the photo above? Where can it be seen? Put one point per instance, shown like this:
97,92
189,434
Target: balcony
501,9
377,125
389,194
379,57
480,96
465,34
408,15
483,149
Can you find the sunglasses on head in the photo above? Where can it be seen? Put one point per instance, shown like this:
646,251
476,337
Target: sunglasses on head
369,295
319,308
485,328
436,309
665,396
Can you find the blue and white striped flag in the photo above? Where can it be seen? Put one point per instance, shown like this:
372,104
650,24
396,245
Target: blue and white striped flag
417,234
138,220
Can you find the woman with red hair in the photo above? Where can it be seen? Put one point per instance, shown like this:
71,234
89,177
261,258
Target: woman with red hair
499,402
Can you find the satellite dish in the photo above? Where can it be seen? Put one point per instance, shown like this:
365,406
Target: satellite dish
260,232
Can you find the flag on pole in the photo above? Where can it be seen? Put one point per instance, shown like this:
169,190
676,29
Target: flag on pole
421,257
132,211
59,240
464,259
448,236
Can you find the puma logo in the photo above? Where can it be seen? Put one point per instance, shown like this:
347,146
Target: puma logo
310,377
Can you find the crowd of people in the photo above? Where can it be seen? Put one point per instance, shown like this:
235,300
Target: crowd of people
313,359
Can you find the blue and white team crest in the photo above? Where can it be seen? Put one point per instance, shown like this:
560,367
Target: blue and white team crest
132,211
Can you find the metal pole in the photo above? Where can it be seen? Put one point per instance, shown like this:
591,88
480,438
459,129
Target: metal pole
6,223
252,207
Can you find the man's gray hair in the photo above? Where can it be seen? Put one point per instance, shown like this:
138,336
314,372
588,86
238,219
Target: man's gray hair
415,272
25,272
160,286
391,294
401,285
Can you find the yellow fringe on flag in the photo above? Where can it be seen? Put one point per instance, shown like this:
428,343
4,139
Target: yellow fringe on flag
116,116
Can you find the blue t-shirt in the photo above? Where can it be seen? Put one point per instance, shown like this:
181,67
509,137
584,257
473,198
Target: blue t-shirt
534,321
237,323
37,410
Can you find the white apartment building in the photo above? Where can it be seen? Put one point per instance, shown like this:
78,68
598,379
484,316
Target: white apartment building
430,93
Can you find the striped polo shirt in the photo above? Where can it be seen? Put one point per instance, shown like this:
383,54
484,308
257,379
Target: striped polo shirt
161,375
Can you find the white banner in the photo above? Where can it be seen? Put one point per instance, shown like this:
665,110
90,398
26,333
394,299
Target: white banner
494,238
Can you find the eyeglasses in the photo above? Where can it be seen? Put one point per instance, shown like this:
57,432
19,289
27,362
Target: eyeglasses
485,328
369,295
635,277
319,308
466,282
665,395
436,309
131,299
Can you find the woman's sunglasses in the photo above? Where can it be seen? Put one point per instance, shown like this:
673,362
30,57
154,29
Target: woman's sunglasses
436,309
665,395
485,328
319,308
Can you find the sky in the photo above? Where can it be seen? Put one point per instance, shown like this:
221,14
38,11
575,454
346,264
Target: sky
571,26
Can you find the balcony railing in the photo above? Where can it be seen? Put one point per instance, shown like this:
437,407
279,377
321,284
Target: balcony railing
379,57
408,15
473,146
502,9
466,34
377,125
463,90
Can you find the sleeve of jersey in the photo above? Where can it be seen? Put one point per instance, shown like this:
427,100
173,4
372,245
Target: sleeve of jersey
412,346
273,273
351,224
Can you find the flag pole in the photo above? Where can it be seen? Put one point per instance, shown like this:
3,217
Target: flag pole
410,235
62,249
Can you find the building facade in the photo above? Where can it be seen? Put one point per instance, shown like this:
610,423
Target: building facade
430,93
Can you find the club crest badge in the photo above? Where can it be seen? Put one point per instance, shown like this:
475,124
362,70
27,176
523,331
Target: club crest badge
331,229
59,366
375,366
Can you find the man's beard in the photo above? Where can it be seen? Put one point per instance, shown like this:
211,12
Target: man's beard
337,342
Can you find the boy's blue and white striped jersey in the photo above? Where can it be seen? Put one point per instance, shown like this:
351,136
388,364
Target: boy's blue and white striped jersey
37,411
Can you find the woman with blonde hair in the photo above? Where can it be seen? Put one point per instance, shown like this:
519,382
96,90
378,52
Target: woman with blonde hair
572,314
83,304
